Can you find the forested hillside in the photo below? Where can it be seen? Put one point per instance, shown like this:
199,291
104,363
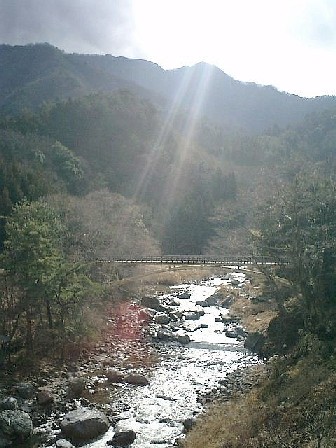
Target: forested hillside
104,157
34,74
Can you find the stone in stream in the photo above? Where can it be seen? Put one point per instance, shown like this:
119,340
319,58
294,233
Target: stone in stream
162,319
184,295
63,443
214,299
153,303
231,334
202,303
83,425
164,335
193,315
172,302
114,376
136,379
183,339
122,439
15,426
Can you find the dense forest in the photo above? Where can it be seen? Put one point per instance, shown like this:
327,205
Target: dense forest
99,159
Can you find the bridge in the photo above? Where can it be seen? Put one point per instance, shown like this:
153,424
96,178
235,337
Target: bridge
202,259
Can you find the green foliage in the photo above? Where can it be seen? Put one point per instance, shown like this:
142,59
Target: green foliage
299,226
43,294
188,227
31,167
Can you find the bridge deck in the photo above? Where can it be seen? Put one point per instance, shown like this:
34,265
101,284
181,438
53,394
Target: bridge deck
201,259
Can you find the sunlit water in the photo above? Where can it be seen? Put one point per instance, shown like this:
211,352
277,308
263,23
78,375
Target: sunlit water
156,412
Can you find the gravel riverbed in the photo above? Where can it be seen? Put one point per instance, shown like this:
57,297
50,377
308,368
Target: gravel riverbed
161,362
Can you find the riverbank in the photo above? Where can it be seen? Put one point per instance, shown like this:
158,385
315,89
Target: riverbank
293,404
116,365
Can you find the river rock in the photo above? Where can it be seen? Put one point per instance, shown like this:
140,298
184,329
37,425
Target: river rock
164,335
183,339
184,295
188,423
173,302
202,303
45,397
83,425
76,387
153,303
231,334
227,302
122,438
193,315
114,376
136,379
63,443
162,319
15,426
214,299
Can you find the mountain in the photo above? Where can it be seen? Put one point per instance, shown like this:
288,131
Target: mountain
33,74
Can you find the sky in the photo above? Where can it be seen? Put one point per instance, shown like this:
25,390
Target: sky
290,44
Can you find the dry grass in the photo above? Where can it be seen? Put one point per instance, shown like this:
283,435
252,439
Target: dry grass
285,413
146,279
228,425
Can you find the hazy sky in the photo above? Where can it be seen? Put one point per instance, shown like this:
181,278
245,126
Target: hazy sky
290,44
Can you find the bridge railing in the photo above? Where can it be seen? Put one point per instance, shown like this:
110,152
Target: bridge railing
201,259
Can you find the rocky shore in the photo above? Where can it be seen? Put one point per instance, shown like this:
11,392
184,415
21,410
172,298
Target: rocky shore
76,403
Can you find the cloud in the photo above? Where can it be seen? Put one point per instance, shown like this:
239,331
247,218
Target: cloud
103,26
316,23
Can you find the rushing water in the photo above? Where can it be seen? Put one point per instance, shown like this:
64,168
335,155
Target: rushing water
157,411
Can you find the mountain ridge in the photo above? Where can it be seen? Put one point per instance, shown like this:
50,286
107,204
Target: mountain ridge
34,74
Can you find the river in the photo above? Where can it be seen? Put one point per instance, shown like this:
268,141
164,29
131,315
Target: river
185,373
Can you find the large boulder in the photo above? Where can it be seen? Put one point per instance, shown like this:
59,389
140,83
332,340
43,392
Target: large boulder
114,376
15,426
162,319
137,379
153,303
122,438
164,335
83,425
183,339
45,397
76,387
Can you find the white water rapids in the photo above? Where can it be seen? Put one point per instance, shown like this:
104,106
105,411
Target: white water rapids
156,412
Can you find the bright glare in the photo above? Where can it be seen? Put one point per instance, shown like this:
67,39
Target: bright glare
269,42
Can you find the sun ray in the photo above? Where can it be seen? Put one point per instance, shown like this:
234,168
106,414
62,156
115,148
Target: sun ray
163,135
173,182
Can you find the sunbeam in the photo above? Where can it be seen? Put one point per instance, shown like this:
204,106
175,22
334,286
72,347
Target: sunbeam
162,137
187,146
195,84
